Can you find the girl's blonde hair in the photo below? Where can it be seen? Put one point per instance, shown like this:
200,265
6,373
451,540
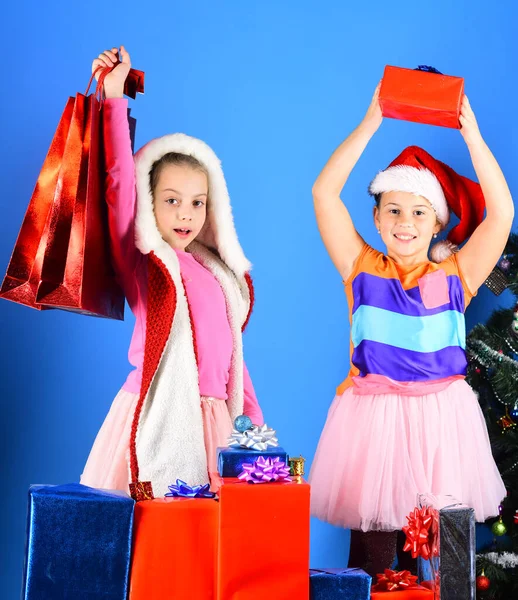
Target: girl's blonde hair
177,159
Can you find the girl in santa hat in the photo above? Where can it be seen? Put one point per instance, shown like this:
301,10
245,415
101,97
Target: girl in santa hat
186,280
405,421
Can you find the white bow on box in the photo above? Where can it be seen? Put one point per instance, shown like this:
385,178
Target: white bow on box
258,438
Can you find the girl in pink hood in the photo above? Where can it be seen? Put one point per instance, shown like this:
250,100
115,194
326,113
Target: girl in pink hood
186,280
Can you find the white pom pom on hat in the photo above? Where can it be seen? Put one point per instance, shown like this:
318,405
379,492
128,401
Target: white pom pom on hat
442,250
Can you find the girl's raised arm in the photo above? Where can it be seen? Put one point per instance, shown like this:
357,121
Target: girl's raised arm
340,237
481,252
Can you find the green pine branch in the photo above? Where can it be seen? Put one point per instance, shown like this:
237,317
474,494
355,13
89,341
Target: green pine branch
493,374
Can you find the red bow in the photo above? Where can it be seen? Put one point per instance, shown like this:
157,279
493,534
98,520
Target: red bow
421,533
392,581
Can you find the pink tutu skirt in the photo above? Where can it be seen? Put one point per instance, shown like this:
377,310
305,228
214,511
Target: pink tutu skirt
378,452
108,463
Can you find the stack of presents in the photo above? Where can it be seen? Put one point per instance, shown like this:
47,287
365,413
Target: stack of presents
243,536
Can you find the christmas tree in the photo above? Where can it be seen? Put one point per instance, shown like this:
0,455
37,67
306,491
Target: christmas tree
493,373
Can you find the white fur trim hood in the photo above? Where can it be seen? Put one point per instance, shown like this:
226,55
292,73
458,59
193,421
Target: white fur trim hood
170,439
421,182
218,232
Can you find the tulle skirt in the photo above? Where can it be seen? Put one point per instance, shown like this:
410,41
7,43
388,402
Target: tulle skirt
378,452
107,466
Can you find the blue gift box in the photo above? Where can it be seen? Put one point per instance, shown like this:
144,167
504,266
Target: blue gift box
231,460
78,543
339,584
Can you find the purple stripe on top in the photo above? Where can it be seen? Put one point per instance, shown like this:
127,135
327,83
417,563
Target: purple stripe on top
406,365
389,294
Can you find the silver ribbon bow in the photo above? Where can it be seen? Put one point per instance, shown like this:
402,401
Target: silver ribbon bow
258,438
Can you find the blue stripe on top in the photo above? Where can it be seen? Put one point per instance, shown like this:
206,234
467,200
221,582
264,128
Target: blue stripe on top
419,334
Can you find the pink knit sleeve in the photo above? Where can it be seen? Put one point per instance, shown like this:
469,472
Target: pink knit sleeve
120,189
251,405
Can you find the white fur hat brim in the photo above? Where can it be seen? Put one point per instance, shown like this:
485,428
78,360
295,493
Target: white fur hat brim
218,232
418,181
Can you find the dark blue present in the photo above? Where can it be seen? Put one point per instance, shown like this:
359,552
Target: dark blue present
78,543
231,460
451,574
339,584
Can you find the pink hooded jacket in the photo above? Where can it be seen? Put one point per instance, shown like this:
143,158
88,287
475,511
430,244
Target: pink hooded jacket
165,349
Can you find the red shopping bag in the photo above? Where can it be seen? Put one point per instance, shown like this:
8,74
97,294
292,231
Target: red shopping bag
62,257
23,274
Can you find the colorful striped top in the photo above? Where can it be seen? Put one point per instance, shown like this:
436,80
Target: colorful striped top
407,322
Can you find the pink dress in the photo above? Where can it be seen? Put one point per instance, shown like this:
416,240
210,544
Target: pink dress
405,422
107,465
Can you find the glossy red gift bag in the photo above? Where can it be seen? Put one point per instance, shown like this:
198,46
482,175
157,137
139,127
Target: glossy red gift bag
76,272
422,96
62,257
23,274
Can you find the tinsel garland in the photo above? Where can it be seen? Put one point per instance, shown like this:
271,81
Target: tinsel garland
506,560
498,356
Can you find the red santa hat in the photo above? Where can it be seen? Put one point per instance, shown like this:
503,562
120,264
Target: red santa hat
416,172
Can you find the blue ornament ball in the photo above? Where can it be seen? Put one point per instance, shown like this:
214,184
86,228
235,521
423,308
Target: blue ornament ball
243,423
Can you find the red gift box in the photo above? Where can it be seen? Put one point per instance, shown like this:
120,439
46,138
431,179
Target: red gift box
421,97
417,593
174,549
263,539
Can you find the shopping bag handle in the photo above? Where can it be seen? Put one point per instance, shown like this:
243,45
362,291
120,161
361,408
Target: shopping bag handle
99,89
133,85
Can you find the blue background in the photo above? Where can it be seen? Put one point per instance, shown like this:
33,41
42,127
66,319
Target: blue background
273,87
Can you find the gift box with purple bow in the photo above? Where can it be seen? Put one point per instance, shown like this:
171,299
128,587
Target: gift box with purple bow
246,446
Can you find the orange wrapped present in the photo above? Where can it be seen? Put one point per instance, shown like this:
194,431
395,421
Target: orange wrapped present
423,95
174,549
263,539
